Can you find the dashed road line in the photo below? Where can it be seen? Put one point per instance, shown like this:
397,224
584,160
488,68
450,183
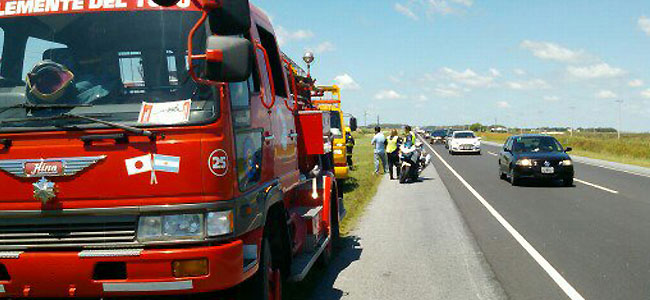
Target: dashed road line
596,186
492,153
541,261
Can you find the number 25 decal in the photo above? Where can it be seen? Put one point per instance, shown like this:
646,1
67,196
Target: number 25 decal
218,162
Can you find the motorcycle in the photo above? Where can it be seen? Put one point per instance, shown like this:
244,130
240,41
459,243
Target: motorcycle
413,161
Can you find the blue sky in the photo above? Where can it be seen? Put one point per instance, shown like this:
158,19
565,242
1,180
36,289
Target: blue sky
530,63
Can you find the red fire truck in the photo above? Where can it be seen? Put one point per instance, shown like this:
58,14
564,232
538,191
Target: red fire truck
157,148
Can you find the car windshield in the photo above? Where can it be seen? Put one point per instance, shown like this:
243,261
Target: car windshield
335,123
536,145
439,133
127,66
464,135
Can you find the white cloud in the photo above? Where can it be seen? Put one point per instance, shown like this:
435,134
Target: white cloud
388,94
644,24
519,72
447,92
533,84
495,72
402,9
468,77
605,94
552,51
646,93
422,98
636,83
285,36
467,3
503,104
346,82
601,70
551,98
324,47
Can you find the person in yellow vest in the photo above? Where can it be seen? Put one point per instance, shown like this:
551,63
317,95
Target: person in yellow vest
392,150
349,145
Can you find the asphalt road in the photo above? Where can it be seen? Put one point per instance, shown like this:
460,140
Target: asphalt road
411,243
545,241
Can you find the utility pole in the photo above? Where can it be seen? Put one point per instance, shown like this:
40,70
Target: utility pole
377,120
620,109
365,118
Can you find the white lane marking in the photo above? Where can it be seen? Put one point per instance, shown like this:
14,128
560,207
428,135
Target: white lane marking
541,261
492,153
596,186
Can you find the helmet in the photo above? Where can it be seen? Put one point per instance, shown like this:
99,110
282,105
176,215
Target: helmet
48,81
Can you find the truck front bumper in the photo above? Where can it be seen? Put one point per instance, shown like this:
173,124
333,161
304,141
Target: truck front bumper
341,172
148,272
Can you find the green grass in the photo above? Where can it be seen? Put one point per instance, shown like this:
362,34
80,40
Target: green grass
630,149
359,189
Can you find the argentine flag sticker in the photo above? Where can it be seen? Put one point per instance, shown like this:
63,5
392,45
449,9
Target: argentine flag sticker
166,163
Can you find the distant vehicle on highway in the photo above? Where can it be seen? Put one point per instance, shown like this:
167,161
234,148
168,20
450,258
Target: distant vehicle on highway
539,157
450,135
438,136
464,142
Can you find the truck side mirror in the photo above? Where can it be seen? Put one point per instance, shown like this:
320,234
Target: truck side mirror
353,124
568,149
232,59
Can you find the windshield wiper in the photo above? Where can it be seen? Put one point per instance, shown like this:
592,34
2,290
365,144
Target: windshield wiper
137,131
32,106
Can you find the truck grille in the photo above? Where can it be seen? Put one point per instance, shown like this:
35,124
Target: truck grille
67,231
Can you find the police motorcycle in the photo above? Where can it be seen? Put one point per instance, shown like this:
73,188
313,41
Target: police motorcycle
413,161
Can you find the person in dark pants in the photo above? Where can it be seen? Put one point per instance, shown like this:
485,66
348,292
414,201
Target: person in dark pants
349,145
392,150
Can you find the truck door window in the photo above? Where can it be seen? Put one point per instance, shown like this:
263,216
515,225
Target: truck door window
240,104
269,43
2,43
248,141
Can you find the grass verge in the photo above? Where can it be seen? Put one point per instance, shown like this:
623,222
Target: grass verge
362,185
633,149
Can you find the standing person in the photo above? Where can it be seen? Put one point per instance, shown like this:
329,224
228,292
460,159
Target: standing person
349,145
392,150
409,139
379,141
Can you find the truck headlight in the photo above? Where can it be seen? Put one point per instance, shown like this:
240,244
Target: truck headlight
338,151
220,223
566,162
525,162
169,227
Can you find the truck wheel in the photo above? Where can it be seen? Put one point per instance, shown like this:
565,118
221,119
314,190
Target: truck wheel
266,284
326,257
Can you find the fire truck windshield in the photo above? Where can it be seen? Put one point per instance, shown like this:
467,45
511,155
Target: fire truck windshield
120,66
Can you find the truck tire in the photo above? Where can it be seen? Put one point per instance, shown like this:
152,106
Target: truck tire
266,284
326,257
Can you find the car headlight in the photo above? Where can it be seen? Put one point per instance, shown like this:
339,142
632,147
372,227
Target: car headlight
170,227
566,162
525,162
220,223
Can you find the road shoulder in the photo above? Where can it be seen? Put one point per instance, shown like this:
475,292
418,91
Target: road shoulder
412,243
